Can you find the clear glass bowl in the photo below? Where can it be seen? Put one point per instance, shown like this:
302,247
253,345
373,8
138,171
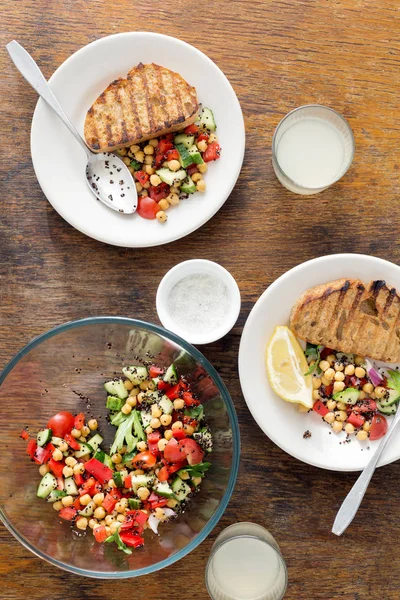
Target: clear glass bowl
64,369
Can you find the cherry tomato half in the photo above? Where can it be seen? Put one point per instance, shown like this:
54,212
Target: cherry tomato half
194,453
147,208
172,452
379,427
61,423
144,460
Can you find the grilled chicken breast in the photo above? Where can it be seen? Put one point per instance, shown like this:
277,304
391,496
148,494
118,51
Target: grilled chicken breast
351,317
150,102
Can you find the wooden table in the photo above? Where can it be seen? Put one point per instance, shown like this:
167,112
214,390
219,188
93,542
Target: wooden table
278,55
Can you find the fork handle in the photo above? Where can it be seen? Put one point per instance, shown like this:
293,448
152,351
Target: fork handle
29,69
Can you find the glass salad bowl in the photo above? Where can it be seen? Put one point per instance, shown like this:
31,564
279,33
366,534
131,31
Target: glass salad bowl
64,369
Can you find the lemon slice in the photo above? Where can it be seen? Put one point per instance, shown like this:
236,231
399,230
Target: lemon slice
286,365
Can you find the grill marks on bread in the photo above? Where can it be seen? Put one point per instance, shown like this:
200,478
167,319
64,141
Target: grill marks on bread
150,102
351,317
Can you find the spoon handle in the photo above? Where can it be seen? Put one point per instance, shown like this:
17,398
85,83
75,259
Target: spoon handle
351,503
29,69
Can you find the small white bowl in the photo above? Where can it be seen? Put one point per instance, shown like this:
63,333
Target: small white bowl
192,267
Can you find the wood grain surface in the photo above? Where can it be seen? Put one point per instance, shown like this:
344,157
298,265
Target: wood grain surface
278,55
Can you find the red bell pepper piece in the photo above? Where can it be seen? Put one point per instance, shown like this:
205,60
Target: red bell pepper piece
163,474
42,455
189,400
155,371
99,470
212,152
175,467
135,519
179,434
142,177
100,533
78,479
158,192
152,441
173,393
203,136
71,441
329,389
68,513
31,447
158,158
356,420
320,408
131,539
172,154
169,137
56,466
164,145
111,500
191,129
163,385
24,434
77,504
60,483
162,502
89,487
79,421
368,405
128,481
189,421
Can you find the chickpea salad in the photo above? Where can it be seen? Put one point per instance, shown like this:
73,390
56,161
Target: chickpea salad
154,466
350,393
170,168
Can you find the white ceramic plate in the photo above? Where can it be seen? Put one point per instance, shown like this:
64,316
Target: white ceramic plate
281,421
59,162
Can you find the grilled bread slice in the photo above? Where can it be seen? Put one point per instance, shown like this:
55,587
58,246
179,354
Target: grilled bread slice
351,317
150,102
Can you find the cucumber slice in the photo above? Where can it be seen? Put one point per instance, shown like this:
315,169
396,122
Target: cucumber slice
188,186
127,458
85,450
88,510
172,177
348,396
391,397
70,486
206,119
104,458
117,477
142,480
184,139
56,495
43,437
95,441
56,441
171,375
114,403
184,157
116,388
390,409
46,486
196,156
180,489
134,503
166,405
163,489
146,418
136,374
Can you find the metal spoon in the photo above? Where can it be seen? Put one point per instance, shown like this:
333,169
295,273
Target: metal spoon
107,176
351,503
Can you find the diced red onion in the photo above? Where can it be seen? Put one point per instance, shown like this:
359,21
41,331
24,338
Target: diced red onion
373,374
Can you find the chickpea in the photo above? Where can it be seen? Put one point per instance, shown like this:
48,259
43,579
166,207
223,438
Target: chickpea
177,425
93,424
149,149
57,455
168,434
144,385
135,148
359,360
341,406
121,505
338,366
349,370
362,435
141,446
179,404
202,145
138,187
165,420
67,501
57,505
109,519
139,156
196,177
331,358
63,446
99,513
127,160
161,444
201,186
212,138
116,458
315,395
367,426
93,523
368,388
98,498
121,151
81,523
153,142
121,518
329,374
126,409
331,404
174,165
132,401
144,193
380,391
68,471
160,514
338,386
316,383
155,180
323,365
329,417
173,199
143,493
161,216
156,411
43,469
155,423
359,372
85,499
339,376
189,430
341,415
163,204
362,395
79,469
114,527
337,426
149,430
349,428
172,503
149,169
202,168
